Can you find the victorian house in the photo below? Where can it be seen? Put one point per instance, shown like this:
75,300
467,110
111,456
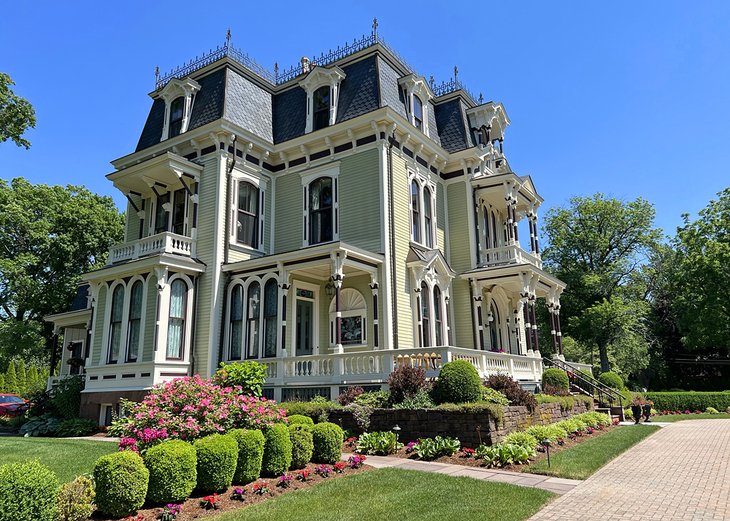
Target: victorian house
332,221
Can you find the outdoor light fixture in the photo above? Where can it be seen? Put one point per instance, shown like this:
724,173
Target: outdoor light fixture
329,289
396,430
546,443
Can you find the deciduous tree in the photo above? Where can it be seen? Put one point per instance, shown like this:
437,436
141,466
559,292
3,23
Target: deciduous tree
16,114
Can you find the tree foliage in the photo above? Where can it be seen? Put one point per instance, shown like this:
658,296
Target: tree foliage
16,114
49,236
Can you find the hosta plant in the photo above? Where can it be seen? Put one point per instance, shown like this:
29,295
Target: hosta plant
432,448
381,443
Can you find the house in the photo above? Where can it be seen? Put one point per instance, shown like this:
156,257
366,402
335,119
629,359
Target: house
332,221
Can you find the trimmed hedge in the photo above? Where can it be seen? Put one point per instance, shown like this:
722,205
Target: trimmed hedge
277,451
327,438
27,492
300,419
556,378
75,500
173,471
217,460
612,380
302,446
121,481
250,455
690,400
318,411
458,382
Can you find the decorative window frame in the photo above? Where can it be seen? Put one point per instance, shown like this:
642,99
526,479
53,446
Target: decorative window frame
124,333
165,312
186,88
361,312
321,77
416,85
143,315
432,274
261,184
315,289
423,181
307,177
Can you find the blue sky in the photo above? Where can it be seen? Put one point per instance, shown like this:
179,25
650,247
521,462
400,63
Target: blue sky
627,98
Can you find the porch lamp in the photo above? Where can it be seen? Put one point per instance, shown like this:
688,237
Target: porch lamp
546,443
329,289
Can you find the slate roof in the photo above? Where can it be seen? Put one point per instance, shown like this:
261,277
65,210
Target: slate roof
452,124
248,106
80,301
290,114
359,92
209,100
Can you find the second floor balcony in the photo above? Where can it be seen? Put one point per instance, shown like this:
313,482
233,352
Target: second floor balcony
166,242
506,255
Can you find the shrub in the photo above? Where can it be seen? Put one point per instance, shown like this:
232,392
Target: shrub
566,402
572,425
458,382
552,432
328,439
361,414
432,448
302,447
502,454
523,439
374,399
612,380
76,427
379,443
349,395
512,390
191,407
301,419
173,471
250,455
494,410
690,400
318,411
246,377
712,410
555,378
75,500
421,400
405,382
595,419
217,459
44,425
121,481
493,396
27,492
277,451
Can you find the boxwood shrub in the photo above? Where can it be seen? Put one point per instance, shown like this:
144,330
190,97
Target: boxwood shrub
27,491
173,471
612,380
458,382
555,378
250,455
302,443
690,400
327,438
277,450
75,500
300,419
217,458
121,481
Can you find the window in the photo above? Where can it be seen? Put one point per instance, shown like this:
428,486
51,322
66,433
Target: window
76,354
178,211
417,112
115,326
495,336
438,323
422,212
425,315
177,107
247,224
415,212
134,321
321,211
161,214
321,108
236,323
271,297
176,321
252,322
353,321
427,218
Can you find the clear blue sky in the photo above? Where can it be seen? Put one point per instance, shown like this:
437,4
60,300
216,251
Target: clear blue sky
627,98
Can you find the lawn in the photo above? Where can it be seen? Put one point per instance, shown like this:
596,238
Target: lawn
680,417
66,458
391,494
582,460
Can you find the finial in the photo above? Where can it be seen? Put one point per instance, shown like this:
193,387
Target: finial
430,81
276,71
157,73
228,37
375,27
456,73
481,98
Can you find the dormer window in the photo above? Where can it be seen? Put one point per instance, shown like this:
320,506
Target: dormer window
179,96
176,116
417,112
322,85
416,93
321,108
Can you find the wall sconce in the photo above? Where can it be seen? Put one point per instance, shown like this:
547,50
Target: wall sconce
329,289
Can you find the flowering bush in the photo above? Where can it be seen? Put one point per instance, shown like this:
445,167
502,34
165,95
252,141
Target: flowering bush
323,470
355,462
210,502
303,475
284,480
169,512
239,494
411,445
260,488
128,444
467,452
191,407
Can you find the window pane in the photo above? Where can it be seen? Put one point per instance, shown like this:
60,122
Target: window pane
438,324
115,327
351,330
161,215
416,213
248,214
176,320
321,108
425,315
271,294
178,212
176,116
427,215
418,112
135,315
236,329
252,328
320,211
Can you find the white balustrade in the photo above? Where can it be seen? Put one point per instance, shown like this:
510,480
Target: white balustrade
511,254
165,242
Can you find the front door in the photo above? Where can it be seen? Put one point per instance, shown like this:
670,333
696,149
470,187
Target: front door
305,326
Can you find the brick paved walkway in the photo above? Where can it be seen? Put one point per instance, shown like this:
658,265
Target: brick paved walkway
682,472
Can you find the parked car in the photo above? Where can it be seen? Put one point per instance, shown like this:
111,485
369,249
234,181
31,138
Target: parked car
12,405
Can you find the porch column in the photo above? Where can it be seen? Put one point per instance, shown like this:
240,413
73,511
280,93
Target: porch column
510,227
513,206
558,333
376,320
553,328
516,329
478,318
533,320
525,302
283,294
536,248
337,280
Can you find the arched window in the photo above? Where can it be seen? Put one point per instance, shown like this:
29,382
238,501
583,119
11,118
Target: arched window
321,108
353,321
134,321
427,217
417,112
115,325
320,210
425,315
415,212
248,214
271,298
235,331
176,320
438,322
252,322
176,116
494,323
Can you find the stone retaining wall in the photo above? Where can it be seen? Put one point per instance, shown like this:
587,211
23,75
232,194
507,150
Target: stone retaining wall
471,428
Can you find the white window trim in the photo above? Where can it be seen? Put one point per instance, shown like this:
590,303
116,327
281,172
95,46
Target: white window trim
298,284
422,183
361,312
143,316
260,183
320,77
173,90
308,176
411,85
432,278
164,314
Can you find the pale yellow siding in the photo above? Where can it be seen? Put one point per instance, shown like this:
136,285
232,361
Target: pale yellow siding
460,258
148,341
99,318
441,218
360,193
132,220
403,281
289,225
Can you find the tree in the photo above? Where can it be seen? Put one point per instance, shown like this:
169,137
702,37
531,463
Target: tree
16,114
49,237
21,378
11,384
599,246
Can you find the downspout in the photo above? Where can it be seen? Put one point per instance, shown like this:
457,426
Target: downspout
394,293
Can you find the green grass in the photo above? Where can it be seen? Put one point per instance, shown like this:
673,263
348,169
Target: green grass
582,460
680,417
393,494
66,458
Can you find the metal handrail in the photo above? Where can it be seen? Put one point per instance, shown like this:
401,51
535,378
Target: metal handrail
594,385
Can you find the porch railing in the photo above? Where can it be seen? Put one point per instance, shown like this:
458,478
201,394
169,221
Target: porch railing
511,254
166,242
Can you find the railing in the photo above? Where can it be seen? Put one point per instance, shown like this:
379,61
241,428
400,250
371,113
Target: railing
585,383
511,254
165,242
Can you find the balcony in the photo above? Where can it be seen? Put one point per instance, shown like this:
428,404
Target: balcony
165,242
506,255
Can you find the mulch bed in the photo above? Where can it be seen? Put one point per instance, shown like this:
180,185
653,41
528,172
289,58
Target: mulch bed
191,508
460,458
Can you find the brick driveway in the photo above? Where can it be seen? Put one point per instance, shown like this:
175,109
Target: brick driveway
681,472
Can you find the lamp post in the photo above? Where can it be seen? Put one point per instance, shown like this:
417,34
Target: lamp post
396,430
546,443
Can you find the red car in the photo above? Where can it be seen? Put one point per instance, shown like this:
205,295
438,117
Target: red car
12,405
